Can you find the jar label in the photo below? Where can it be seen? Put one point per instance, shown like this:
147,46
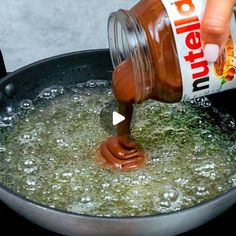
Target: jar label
199,77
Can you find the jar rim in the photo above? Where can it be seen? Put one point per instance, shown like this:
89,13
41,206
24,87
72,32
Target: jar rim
126,39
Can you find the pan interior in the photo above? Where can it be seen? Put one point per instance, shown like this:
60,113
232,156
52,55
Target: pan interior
48,152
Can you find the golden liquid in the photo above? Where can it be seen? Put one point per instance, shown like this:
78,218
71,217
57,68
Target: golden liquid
48,147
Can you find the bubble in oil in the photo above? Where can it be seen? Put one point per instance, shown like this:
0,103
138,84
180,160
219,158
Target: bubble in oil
103,83
62,143
29,165
56,187
182,182
51,92
92,84
109,92
32,183
46,94
201,190
27,137
77,98
8,118
199,149
63,175
26,104
2,149
228,121
202,102
206,170
171,195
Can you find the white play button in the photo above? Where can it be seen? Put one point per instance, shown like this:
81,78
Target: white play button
117,118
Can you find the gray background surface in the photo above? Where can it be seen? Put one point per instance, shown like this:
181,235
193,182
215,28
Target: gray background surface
35,29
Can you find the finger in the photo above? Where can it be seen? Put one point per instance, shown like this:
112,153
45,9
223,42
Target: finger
215,27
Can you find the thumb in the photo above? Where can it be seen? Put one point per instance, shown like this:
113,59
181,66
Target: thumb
215,27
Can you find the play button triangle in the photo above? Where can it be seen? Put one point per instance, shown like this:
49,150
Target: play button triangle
117,118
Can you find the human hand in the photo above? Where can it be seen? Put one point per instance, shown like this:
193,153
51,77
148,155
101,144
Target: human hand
215,27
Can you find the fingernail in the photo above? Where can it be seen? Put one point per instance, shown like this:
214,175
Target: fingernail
211,52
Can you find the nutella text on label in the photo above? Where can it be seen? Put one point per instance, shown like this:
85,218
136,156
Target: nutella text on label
199,77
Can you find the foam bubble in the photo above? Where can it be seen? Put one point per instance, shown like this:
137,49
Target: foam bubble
8,119
32,183
201,190
2,149
202,102
26,104
51,92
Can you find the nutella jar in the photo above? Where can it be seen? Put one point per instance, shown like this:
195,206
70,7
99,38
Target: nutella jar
156,52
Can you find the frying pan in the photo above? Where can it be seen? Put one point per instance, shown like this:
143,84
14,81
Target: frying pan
67,69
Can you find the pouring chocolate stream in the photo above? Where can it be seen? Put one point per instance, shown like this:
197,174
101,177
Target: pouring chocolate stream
121,151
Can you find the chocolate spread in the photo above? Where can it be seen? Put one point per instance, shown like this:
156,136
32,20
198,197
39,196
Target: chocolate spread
121,151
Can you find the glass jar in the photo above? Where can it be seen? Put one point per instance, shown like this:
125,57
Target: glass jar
145,33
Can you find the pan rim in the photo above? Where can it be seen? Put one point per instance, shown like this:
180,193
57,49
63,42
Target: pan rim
121,218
